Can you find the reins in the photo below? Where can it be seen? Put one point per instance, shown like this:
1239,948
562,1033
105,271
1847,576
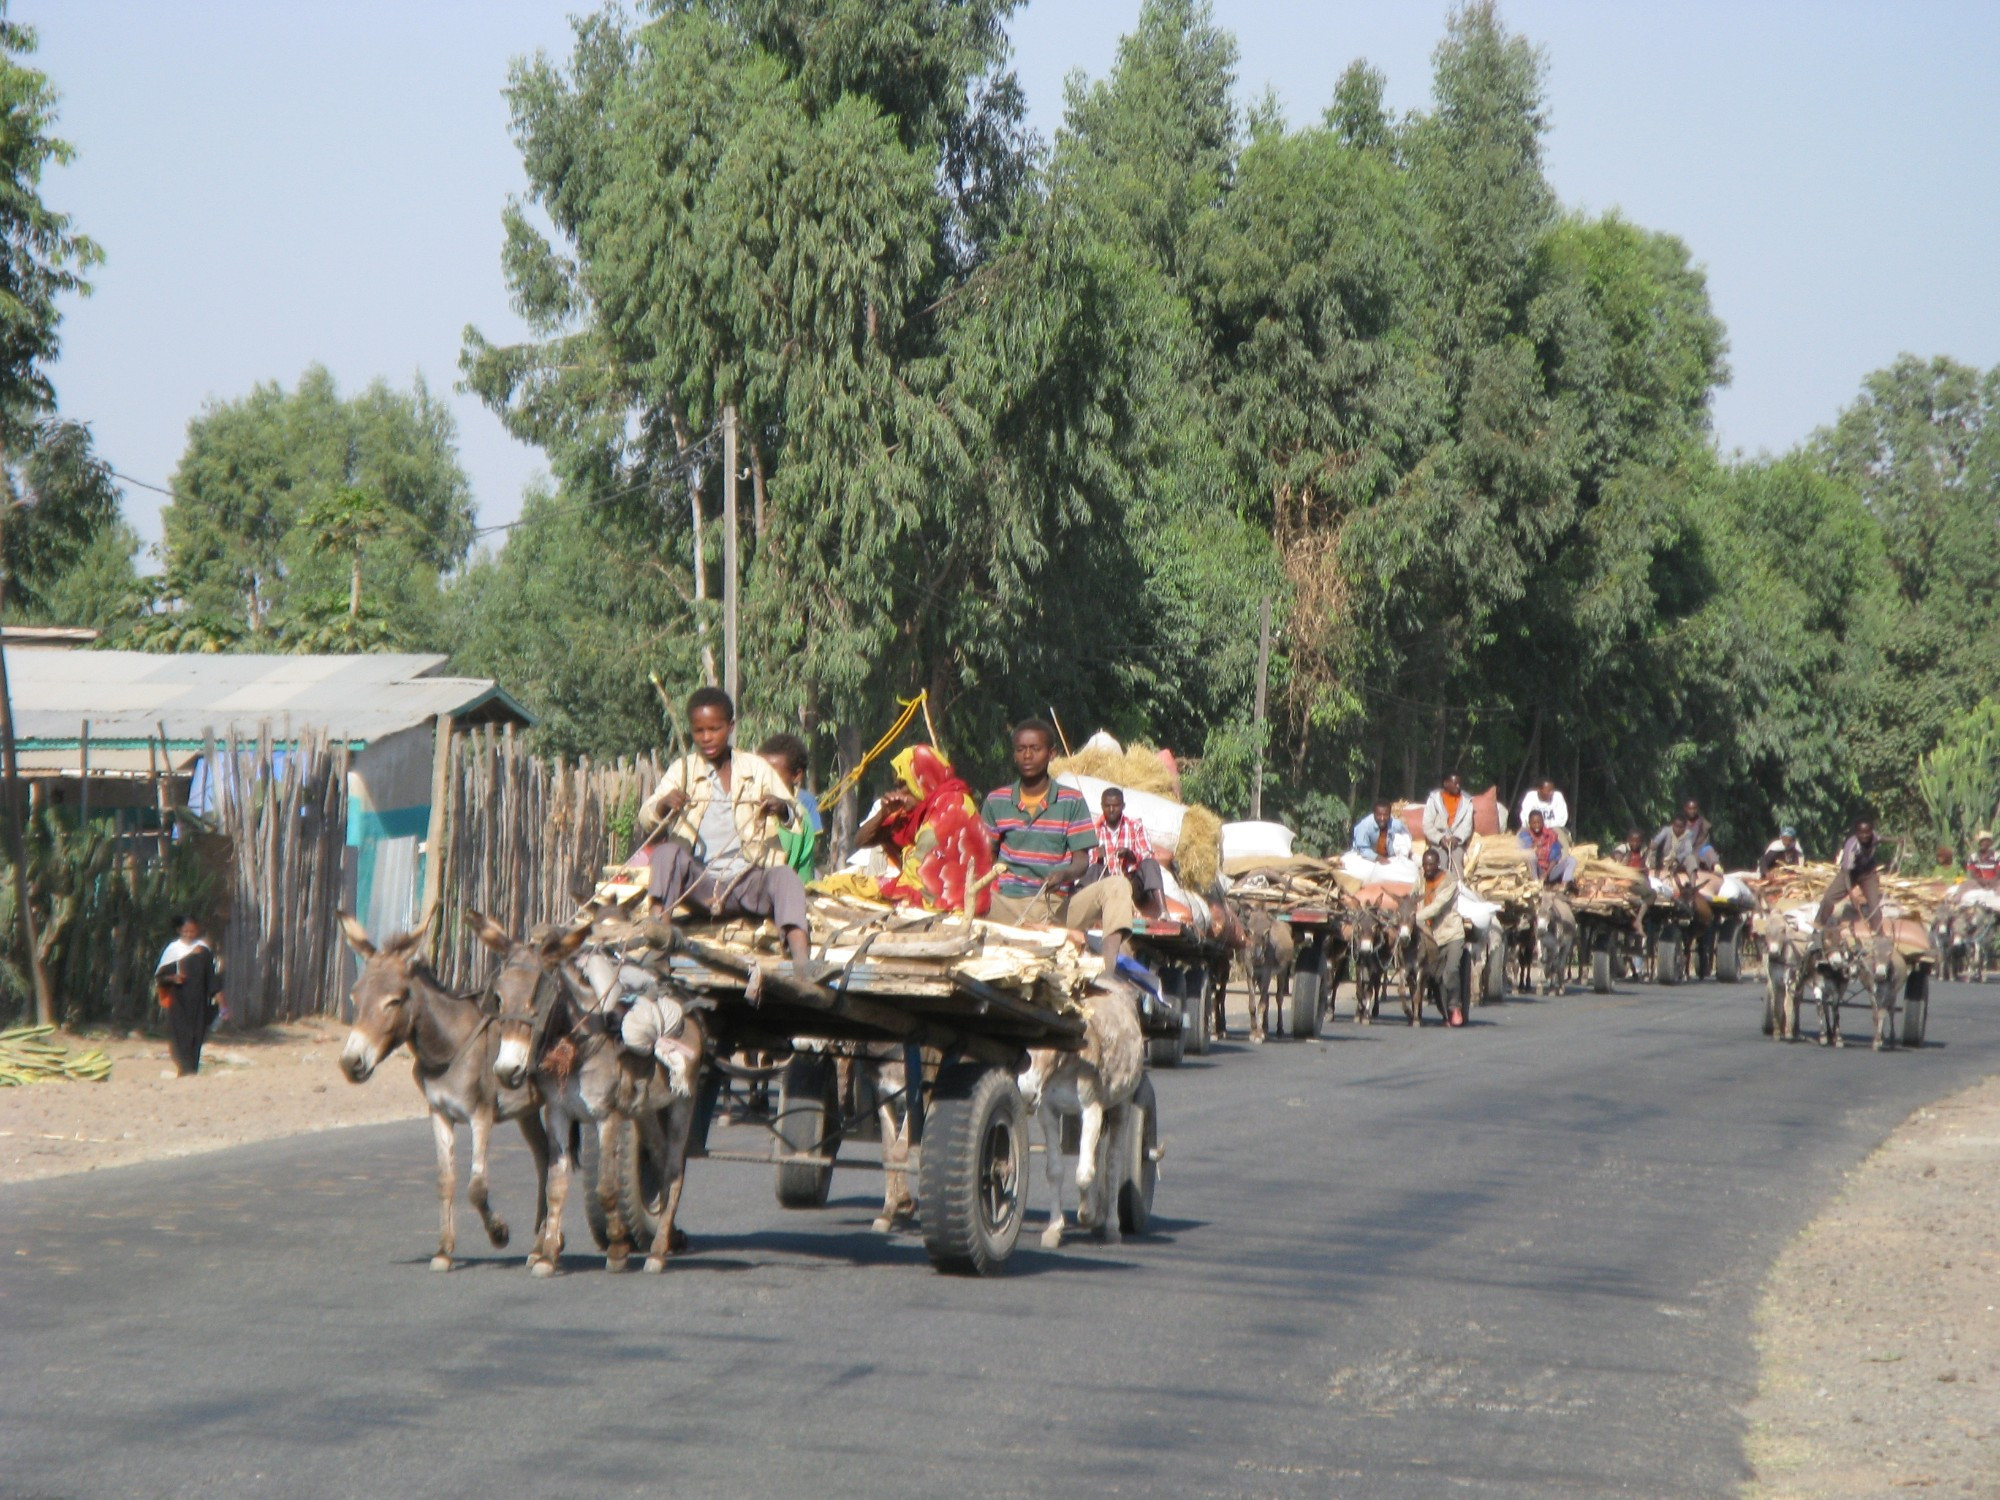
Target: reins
486,1019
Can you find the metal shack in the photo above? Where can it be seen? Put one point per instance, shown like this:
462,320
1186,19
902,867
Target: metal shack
116,734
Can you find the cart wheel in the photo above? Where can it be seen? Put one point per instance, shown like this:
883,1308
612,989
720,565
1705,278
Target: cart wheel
808,1123
1600,971
1916,1008
641,1197
583,1151
1194,1011
972,1176
1667,957
1494,990
1167,1051
1729,957
1135,1194
1305,1004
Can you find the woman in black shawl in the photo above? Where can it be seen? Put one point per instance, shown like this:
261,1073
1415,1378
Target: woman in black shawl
190,987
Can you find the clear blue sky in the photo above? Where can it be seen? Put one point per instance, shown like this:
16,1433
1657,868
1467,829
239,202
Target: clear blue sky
283,181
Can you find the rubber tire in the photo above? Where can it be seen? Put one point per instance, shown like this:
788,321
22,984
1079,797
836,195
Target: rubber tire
969,1103
641,1198
585,1176
1194,1012
807,1099
1305,1004
1168,1051
1729,957
1600,971
1916,1009
1135,1194
1667,957
1493,981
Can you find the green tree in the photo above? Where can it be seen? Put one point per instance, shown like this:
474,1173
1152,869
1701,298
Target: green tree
42,257
63,516
263,525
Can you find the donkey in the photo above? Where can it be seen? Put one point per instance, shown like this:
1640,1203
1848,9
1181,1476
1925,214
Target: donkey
1272,955
1369,938
1554,939
1406,955
1096,1084
551,1030
398,1002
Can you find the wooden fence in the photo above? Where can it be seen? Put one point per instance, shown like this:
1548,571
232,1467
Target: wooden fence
285,817
525,839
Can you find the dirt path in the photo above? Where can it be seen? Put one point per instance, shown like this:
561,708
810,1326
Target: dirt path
1880,1327
282,1080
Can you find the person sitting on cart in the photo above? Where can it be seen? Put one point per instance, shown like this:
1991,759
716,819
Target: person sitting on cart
1382,836
1448,823
1859,869
1554,865
1631,853
721,811
1042,834
1438,916
1550,803
1122,846
1675,855
1782,850
789,758
1983,868
1698,827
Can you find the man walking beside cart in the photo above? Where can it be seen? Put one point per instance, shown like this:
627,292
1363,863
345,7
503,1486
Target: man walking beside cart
1444,931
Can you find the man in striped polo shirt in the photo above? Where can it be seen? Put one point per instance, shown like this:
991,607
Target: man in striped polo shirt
1042,836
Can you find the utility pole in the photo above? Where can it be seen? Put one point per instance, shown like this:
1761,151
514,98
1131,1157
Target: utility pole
730,681
1263,685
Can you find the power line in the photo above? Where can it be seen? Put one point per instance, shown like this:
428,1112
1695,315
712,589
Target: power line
697,452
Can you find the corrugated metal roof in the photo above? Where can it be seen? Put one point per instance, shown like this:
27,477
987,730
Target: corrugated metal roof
128,695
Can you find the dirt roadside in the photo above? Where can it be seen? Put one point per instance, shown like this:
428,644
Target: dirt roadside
283,1080
1879,1330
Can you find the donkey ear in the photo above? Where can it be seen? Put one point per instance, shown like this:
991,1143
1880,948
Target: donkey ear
491,933
566,942
357,935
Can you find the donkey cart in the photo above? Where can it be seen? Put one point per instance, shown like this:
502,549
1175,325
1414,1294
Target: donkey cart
1184,963
906,1043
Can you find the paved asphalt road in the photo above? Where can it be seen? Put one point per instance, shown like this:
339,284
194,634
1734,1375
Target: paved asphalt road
1516,1260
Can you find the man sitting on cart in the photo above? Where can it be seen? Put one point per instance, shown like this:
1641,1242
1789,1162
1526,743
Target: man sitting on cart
1382,836
1448,823
1782,850
1554,865
1632,853
1983,868
721,811
1677,856
1042,834
1438,917
1123,849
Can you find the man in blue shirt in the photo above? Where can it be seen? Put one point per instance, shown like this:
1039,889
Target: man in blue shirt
1382,836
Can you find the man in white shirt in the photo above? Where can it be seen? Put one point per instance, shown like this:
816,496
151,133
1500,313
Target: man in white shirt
1547,801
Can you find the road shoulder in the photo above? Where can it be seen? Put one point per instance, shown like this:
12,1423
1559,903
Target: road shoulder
1879,1327
279,1081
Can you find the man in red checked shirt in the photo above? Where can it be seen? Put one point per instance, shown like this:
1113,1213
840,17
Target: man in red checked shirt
1122,846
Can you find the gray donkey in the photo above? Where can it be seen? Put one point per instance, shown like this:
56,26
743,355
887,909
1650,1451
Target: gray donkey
552,1029
397,1003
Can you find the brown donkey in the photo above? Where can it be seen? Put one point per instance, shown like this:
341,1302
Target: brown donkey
397,1002
552,1029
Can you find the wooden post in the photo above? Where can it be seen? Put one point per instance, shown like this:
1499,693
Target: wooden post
434,835
83,779
730,683
1263,682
